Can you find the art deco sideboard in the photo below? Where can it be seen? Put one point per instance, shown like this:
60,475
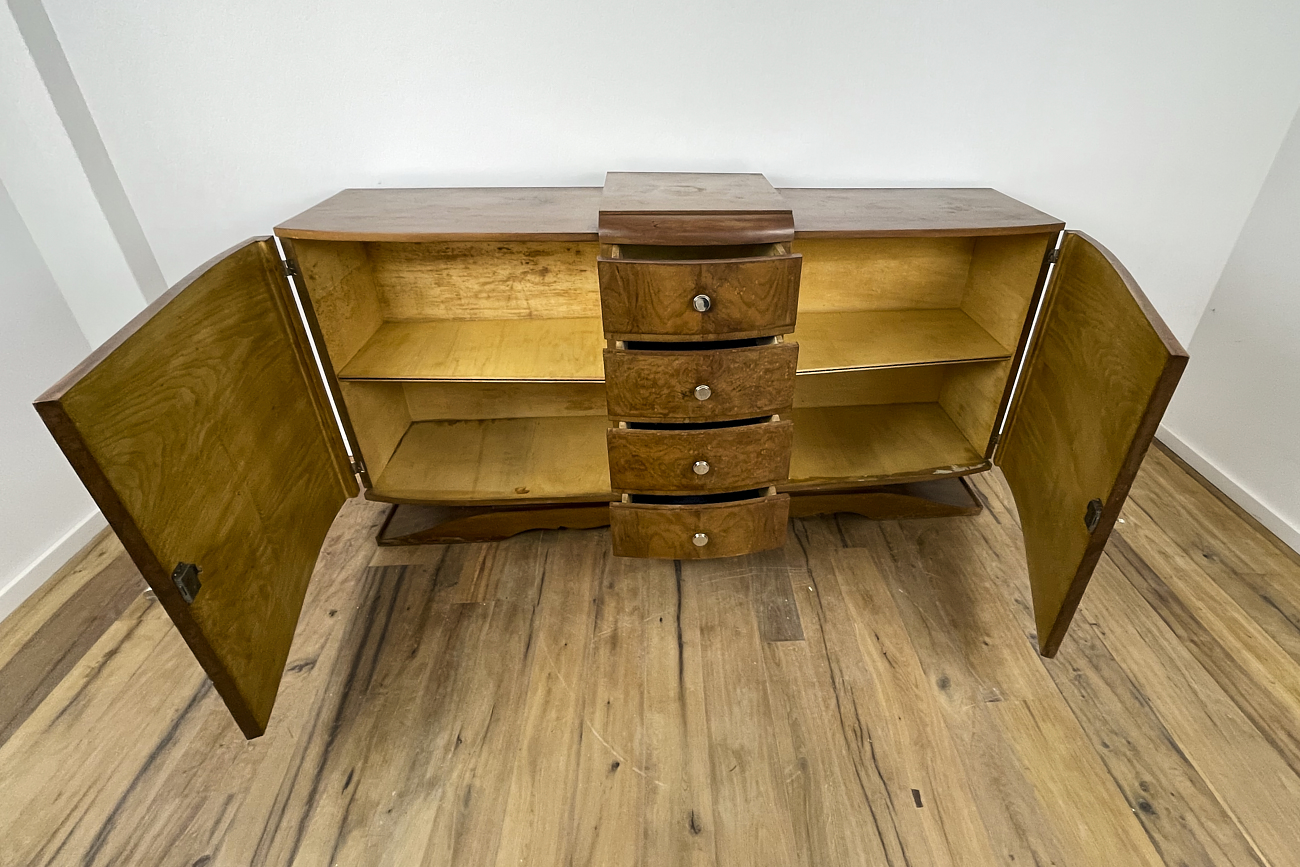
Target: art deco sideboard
687,358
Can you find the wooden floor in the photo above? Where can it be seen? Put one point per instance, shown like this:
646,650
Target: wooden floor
870,695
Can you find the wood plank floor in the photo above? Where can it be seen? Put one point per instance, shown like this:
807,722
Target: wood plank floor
870,695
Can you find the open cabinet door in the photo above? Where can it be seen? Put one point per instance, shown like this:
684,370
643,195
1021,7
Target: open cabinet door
1096,381
203,432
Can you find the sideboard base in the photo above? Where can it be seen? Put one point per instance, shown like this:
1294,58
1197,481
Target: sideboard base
410,524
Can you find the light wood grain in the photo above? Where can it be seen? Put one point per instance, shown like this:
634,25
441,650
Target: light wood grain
1000,286
638,530
487,461
380,418
1096,382
882,274
972,396
883,338
488,350
847,445
919,384
342,297
427,401
203,432
422,721
486,279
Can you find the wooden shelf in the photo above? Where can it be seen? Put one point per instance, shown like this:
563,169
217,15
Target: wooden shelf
489,461
877,444
858,340
483,350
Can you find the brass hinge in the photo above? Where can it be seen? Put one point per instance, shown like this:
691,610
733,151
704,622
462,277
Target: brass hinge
995,439
358,467
291,269
1054,256
186,578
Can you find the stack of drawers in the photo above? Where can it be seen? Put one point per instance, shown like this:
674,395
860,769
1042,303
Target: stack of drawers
700,381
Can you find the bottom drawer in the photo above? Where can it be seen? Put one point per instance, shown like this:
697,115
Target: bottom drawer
698,532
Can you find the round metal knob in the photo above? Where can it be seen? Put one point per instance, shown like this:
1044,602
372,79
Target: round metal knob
700,539
703,392
700,467
701,303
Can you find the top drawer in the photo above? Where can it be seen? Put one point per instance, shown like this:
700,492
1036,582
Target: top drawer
702,298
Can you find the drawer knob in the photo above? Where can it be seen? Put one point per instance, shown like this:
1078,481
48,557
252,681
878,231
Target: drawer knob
703,392
700,467
701,303
700,539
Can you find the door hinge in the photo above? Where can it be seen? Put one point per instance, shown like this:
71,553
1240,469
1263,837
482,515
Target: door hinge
995,439
358,467
1054,256
291,269
186,578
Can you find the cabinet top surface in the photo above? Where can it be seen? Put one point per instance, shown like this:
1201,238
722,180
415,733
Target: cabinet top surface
687,193
572,213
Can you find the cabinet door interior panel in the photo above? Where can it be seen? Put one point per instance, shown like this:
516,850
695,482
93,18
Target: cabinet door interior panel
838,445
850,340
203,432
483,350
497,461
1096,382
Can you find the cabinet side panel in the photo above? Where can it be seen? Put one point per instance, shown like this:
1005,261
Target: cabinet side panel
380,418
341,287
487,279
1003,276
972,397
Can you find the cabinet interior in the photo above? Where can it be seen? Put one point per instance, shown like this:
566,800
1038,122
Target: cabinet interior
472,370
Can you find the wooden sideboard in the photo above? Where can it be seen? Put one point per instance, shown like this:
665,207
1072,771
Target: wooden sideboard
688,358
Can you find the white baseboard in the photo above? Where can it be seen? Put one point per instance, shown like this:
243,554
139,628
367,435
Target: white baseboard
1235,492
28,581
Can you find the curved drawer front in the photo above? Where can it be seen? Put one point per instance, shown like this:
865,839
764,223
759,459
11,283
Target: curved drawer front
706,385
703,298
698,532
690,461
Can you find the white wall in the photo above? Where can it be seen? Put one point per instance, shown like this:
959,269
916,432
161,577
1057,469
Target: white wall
1236,415
65,284
1149,124
45,512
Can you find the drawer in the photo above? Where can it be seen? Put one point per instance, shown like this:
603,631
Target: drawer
748,297
715,459
698,532
745,382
